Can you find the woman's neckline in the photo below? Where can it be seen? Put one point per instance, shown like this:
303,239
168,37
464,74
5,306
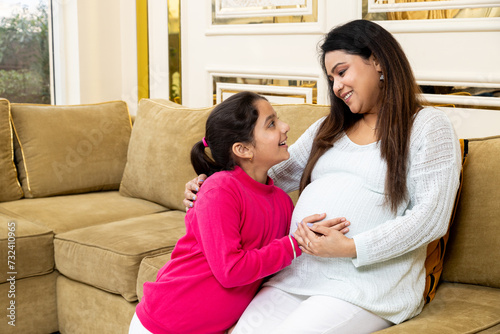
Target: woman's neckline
357,144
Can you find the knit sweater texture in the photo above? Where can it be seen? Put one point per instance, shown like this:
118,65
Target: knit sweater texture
236,235
387,277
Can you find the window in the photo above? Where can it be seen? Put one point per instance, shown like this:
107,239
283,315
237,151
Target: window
24,51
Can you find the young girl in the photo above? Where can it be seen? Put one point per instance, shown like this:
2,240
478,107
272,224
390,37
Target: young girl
238,232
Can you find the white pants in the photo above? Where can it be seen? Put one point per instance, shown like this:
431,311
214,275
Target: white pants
275,311
136,326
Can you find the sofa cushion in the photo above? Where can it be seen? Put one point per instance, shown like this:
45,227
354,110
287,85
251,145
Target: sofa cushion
473,248
158,161
26,248
70,149
108,256
148,270
457,308
36,305
87,310
66,213
10,188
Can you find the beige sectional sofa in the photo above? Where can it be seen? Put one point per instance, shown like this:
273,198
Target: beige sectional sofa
90,209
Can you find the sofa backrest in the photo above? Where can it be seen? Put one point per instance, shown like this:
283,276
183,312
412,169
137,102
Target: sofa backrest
158,162
473,252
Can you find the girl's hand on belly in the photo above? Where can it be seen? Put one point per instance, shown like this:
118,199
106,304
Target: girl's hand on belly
325,239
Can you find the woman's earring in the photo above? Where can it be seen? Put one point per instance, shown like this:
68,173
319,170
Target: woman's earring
381,77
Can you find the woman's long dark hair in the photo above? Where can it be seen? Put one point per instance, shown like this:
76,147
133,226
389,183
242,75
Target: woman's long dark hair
231,121
400,102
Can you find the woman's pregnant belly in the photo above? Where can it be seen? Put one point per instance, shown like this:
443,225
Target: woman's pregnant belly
341,194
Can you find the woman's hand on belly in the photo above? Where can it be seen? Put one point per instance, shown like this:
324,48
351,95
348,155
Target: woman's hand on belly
325,239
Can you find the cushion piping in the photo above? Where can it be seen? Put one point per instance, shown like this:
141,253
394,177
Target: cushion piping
11,125
104,248
482,328
23,157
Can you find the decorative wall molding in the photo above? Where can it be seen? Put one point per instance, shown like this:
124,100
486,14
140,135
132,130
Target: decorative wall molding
264,73
239,9
275,94
444,25
306,19
259,3
491,80
463,82
473,101
267,29
374,6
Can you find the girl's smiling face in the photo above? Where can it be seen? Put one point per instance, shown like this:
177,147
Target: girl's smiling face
355,80
270,135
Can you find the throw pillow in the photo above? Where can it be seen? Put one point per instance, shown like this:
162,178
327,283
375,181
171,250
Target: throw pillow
158,161
299,117
473,253
436,249
70,149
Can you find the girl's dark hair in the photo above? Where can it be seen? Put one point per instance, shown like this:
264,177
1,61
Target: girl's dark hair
231,121
400,102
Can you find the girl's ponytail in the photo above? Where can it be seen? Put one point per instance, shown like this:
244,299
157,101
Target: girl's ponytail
200,160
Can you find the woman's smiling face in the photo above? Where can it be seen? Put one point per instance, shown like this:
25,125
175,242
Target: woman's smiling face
355,80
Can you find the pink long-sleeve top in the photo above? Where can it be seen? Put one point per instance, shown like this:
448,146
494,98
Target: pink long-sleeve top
236,235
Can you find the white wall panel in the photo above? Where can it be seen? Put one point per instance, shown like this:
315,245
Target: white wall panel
461,57
158,49
474,123
99,37
442,52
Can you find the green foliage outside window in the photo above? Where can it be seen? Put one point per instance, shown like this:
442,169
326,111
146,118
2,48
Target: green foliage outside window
24,56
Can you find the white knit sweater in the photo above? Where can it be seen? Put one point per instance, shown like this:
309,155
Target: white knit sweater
387,277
